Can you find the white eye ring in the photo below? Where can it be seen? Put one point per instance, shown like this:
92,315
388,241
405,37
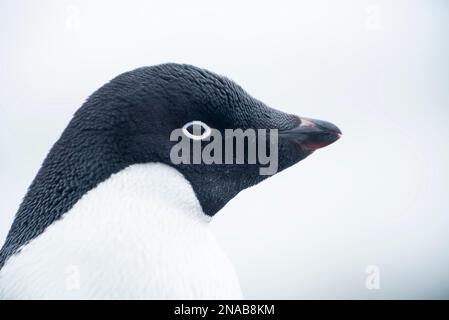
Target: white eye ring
207,131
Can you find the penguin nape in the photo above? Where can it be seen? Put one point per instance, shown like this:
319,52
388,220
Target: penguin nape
109,216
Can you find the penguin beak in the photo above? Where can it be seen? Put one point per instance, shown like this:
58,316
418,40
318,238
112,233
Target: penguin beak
312,134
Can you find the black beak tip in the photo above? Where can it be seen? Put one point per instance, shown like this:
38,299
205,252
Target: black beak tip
322,133
324,125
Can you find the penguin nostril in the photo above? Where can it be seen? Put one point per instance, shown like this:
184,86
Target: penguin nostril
196,130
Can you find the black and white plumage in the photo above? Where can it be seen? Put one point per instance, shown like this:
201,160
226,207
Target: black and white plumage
108,202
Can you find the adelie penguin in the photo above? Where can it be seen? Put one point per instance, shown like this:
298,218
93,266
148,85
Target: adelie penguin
110,216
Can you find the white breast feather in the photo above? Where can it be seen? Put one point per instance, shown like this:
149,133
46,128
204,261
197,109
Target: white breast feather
141,234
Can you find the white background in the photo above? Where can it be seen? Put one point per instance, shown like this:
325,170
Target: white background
377,69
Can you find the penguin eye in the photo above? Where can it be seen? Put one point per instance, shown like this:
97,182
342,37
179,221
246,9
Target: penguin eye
196,130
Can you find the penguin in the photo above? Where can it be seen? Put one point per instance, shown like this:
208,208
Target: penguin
110,216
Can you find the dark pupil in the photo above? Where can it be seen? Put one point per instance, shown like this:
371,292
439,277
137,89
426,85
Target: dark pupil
199,130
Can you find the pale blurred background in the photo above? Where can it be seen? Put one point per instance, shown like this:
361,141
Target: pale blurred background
377,69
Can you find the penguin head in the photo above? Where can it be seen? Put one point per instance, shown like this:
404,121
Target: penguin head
130,120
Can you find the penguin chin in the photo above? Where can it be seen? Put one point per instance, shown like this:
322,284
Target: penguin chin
216,184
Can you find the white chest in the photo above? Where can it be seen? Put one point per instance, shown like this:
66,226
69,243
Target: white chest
141,234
